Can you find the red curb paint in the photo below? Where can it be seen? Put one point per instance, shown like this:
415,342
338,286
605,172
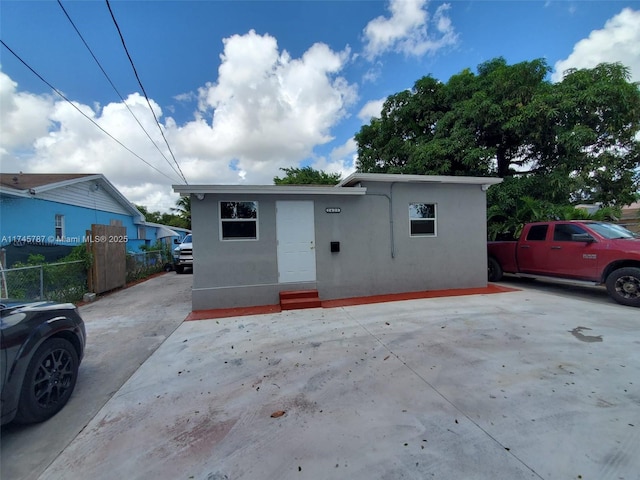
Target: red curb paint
395,297
346,302
232,312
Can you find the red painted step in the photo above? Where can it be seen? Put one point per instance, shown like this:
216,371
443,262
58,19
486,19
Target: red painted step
296,299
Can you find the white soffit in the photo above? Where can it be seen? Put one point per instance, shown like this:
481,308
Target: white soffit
351,182
354,178
268,189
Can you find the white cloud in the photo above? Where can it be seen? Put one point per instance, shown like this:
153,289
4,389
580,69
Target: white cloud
342,159
265,111
344,153
618,41
151,195
185,97
269,110
23,117
409,30
371,109
274,100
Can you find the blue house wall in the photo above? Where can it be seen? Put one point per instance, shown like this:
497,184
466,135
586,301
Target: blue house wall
29,204
21,218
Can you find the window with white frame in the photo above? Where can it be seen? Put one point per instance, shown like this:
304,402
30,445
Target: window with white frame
239,220
59,226
422,217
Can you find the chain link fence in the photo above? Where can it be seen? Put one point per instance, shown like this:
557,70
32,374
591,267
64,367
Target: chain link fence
142,264
60,282
67,281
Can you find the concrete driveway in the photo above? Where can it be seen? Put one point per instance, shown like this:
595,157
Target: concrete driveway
527,384
123,329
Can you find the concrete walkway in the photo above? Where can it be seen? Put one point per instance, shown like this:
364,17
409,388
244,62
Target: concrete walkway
506,386
123,329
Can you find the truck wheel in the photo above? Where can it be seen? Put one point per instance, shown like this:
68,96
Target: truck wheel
179,269
495,270
623,285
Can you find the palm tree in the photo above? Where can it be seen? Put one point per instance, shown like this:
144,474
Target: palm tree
183,209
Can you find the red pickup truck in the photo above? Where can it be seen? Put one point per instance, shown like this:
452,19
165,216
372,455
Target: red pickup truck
577,251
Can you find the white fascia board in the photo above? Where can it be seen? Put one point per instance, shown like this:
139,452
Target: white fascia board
354,178
136,215
99,178
49,186
267,190
52,186
12,192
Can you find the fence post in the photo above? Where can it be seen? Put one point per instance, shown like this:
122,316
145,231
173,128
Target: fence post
41,282
90,251
3,279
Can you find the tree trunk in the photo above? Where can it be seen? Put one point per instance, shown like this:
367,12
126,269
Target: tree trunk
503,163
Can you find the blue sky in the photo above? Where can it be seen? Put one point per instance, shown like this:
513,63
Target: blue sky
243,88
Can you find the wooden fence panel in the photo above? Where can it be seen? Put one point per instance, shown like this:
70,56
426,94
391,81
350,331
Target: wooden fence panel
109,247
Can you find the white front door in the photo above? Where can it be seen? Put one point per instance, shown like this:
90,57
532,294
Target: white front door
296,237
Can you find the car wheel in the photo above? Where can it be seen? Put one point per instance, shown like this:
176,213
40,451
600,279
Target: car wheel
494,270
49,381
179,269
623,285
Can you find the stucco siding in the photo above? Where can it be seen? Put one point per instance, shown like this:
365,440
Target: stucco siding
377,254
233,263
233,273
368,262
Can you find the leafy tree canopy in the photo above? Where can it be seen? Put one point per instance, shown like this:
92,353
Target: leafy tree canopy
306,176
178,219
561,143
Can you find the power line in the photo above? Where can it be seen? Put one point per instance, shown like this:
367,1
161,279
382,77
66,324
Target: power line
124,45
81,112
114,87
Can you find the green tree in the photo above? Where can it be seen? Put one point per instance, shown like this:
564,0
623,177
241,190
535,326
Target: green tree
588,126
306,176
170,219
154,217
183,212
472,125
558,144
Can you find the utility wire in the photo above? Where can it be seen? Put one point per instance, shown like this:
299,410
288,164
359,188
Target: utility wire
81,112
115,89
143,90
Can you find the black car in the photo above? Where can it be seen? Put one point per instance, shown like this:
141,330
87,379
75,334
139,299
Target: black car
42,344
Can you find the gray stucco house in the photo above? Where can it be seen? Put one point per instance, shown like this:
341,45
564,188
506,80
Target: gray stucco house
372,234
